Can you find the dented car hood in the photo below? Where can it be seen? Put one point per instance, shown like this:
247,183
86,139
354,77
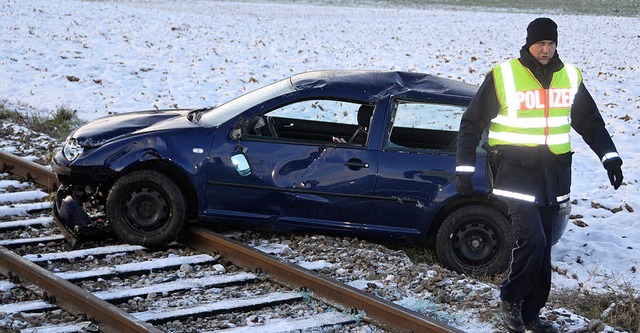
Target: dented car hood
108,128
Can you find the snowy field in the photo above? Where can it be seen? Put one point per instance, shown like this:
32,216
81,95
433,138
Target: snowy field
102,57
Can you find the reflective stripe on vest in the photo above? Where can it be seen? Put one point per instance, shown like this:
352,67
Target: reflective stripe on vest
562,198
465,169
530,115
514,195
526,197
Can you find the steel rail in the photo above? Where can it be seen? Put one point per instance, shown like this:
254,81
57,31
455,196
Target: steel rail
377,311
70,297
64,294
39,174
29,170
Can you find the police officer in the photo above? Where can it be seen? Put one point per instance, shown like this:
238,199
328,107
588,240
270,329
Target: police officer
529,105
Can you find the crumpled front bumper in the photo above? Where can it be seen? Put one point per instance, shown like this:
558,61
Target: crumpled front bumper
73,220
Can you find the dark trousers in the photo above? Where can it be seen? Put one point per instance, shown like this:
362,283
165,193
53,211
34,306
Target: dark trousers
529,278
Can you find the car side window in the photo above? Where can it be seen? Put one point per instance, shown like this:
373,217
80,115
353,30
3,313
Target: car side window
417,126
316,121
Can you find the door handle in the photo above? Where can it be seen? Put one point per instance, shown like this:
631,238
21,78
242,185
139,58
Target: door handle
356,164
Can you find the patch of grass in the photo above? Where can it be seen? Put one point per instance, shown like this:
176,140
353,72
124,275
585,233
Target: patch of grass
56,124
417,253
581,7
618,309
425,255
5,113
8,330
622,8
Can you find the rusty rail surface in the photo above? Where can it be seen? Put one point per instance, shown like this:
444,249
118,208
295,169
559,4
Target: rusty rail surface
378,311
70,297
29,170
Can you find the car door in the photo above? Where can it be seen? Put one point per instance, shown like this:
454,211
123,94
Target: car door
417,163
304,171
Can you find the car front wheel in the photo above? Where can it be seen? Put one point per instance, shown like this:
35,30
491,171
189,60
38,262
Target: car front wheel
146,207
476,240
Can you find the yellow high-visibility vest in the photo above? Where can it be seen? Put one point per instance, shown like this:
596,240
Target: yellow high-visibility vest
530,115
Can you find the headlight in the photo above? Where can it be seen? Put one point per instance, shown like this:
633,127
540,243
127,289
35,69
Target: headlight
72,149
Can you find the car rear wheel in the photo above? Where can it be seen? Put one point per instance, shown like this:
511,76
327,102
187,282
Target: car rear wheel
475,240
147,208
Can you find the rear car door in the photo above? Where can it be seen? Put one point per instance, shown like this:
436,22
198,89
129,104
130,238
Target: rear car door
417,162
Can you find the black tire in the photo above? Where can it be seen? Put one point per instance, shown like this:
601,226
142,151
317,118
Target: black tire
475,240
147,208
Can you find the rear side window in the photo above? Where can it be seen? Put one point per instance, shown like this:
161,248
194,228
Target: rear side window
419,126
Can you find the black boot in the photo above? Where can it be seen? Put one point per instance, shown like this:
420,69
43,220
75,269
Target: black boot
512,316
538,325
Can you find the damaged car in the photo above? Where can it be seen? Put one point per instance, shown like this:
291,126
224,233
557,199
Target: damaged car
354,153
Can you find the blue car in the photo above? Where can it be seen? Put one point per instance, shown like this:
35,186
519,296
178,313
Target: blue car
356,153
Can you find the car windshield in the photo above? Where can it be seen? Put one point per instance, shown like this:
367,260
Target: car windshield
232,108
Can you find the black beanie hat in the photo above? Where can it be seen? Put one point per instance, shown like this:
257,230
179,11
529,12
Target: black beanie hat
542,29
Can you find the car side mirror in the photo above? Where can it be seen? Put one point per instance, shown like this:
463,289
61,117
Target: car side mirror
242,165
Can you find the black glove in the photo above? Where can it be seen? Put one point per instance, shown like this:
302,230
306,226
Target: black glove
614,171
464,185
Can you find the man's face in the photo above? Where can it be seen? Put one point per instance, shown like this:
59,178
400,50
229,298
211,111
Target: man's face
543,51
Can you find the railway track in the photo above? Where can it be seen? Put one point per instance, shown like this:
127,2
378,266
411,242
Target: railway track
214,284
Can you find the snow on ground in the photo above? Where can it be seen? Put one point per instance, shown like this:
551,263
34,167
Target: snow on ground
26,195
103,57
21,209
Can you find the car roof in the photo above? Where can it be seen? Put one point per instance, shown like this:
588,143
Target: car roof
371,85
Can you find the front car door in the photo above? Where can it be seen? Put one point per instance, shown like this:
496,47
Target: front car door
305,172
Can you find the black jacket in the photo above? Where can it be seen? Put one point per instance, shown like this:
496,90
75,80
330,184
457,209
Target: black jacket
532,170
